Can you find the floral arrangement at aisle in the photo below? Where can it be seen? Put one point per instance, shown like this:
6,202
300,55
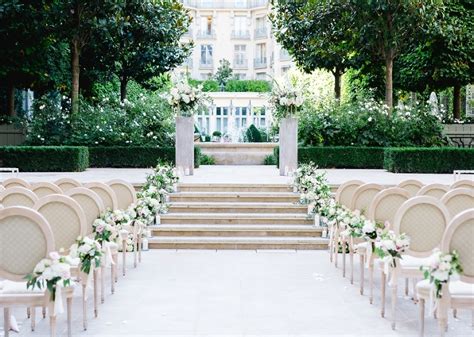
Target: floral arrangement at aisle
185,99
89,252
105,230
286,99
313,187
159,184
443,268
390,247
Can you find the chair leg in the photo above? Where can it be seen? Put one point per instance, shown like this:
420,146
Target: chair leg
406,286
455,313
28,312
343,258
102,284
135,253
331,246
6,320
383,286
394,289
140,248
116,258
351,261
44,312
361,274
124,256
421,305
96,307
33,318
371,281
52,323
84,307
69,316
112,278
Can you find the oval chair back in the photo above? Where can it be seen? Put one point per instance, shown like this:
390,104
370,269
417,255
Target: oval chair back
458,237
16,182
90,203
2,188
411,185
433,190
66,219
65,184
106,193
458,200
424,220
124,191
345,192
465,183
18,196
25,238
363,197
386,203
44,189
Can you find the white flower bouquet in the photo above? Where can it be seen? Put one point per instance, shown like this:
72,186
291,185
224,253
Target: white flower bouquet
391,247
286,99
185,99
443,268
105,229
89,252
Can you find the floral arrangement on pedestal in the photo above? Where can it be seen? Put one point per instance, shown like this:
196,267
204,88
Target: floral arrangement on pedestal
286,99
89,252
444,267
185,99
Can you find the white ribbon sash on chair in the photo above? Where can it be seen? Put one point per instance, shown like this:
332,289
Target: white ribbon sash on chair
57,305
86,280
108,254
369,252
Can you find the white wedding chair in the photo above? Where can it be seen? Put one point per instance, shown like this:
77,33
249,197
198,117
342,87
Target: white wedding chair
456,294
45,188
433,190
465,183
2,188
16,182
66,184
18,196
458,200
424,220
411,185
25,238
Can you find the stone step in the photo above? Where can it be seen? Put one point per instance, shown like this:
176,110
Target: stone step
232,207
298,243
237,230
261,197
235,218
196,187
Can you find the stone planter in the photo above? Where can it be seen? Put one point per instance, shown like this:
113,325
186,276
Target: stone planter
288,145
185,144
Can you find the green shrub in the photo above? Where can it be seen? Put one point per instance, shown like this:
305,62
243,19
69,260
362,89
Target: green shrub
248,86
197,156
45,158
134,156
270,160
207,160
253,135
428,160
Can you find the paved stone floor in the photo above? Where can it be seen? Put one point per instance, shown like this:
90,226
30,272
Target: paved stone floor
237,174
241,293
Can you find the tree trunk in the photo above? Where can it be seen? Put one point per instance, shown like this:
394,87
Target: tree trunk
123,88
337,85
75,54
11,99
389,82
457,102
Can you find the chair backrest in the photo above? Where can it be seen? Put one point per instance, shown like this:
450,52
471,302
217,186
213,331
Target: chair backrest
25,239
458,200
424,219
44,189
106,193
345,192
2,188
364,195
433,190
90,203
465,183
65,217
458,237
124,191
411,185
66,184
386,203
18,196
16,182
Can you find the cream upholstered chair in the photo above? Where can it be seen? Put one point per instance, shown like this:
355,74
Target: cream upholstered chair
382,209
458,200
465,183
124,191
411,185
66,184
106,193
16,182
456,294
424,220
18,196
45,188
25,239
434,190
2,188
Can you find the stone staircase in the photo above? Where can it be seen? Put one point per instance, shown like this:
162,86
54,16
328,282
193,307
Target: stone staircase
236,216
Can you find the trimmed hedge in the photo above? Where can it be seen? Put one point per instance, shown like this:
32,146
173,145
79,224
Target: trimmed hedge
45,158
340,156
428,160
134,156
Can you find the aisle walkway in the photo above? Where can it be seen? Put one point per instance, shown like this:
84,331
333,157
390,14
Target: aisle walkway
241,293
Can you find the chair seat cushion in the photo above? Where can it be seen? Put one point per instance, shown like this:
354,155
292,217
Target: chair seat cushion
361,248
456,289
411,262
10,287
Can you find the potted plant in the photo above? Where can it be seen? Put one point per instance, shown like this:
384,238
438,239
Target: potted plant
217,136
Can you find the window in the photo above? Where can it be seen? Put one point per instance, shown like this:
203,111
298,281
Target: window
207,3
240,76
206,54
261,53
259,119
240,117
206,25
240,3
260,23
204,121
240,25
240,55
285,69
261,76
205,76
222,119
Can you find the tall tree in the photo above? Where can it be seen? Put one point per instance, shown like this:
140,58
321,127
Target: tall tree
318,34
223,73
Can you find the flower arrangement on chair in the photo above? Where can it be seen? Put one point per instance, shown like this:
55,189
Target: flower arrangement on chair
443,268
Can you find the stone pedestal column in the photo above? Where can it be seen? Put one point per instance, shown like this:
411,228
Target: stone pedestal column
288,145
185,144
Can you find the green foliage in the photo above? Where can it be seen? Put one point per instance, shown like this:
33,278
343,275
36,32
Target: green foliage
428,160
253,135
217,133
207,160
45,158
342,156
223,73
248,86
270,160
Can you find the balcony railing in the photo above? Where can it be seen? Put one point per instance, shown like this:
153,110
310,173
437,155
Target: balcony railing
261,32
241,34
284,55
241,64
206,64
205,34
223,4
260,62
